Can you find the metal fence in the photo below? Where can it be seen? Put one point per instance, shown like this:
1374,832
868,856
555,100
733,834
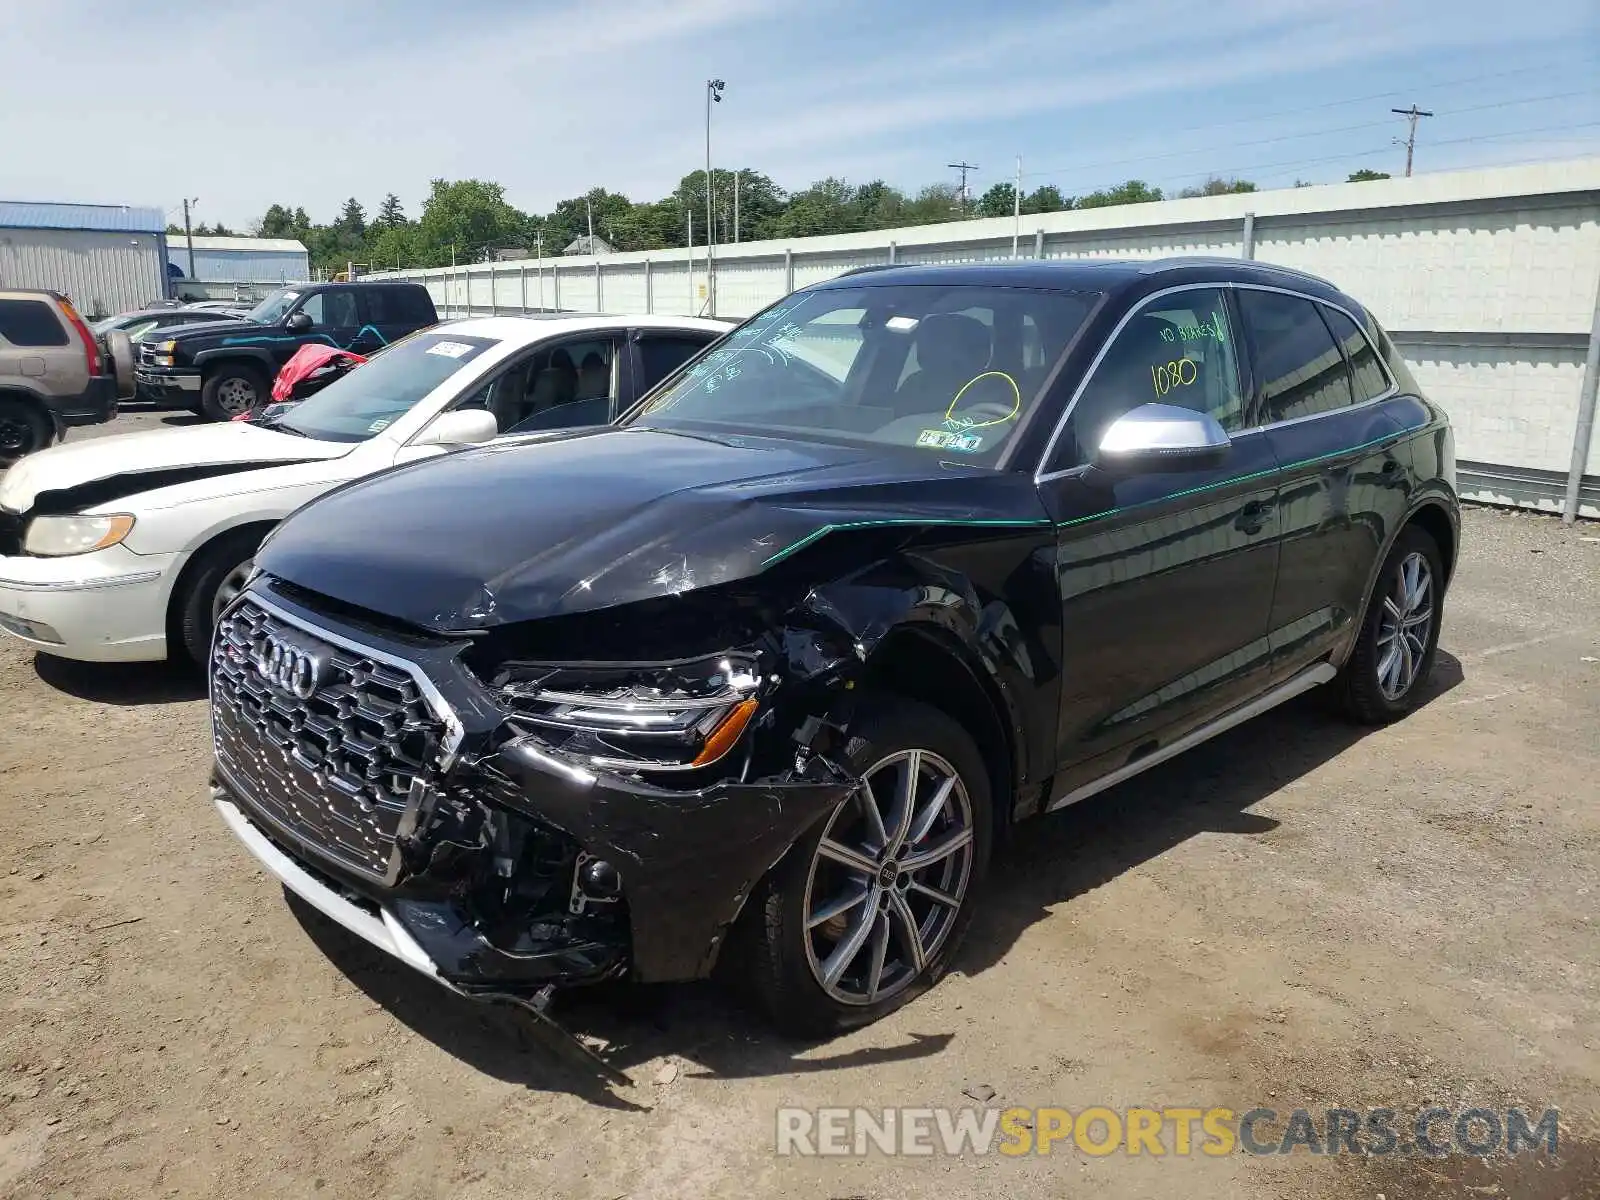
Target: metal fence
1489,282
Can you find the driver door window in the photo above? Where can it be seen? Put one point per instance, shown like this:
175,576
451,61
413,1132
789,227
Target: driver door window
331,310
1179,349
565,385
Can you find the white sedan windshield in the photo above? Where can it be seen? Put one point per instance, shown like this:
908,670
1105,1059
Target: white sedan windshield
372,397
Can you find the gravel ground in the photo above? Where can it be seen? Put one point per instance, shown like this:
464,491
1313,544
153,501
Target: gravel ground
1298,913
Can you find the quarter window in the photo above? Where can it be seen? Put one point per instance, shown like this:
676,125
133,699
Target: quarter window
1180,350
30,323
1366,373
1298,368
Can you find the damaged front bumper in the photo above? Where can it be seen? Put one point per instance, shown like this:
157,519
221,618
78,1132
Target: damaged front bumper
512,868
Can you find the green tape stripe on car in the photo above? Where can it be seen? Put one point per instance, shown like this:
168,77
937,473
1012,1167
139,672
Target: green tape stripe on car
818,534
1025,523
1222,483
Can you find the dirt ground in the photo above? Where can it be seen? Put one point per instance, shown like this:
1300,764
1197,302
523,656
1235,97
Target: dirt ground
1300,913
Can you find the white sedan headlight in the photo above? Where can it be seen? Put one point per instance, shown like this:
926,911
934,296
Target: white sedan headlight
53,537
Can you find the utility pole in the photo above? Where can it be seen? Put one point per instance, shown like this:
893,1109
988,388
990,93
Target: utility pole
589,208
963,167
688,224
1411,138
736,206
188,237
713,96
1016,209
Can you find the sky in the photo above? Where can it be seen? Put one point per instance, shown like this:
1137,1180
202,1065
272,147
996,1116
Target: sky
242,105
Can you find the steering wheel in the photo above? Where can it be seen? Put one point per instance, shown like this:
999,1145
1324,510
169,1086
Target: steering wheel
994,412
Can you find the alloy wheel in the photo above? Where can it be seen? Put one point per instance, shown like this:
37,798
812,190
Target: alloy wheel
16,436
888,878
235,395
1405,626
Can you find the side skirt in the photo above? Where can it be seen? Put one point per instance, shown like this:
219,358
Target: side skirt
1288,690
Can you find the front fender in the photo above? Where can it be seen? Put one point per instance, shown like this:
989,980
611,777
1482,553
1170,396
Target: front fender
253,355
985,628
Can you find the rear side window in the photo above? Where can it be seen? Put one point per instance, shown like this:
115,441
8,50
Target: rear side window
661,356
31,323
409,305
1298,368
1366,373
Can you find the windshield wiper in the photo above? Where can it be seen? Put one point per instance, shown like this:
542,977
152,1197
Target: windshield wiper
281,426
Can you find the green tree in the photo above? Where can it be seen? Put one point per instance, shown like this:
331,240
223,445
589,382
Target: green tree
877,205
470,216
390,214
1365,174
1046,199
999,201
352,218
394,246
935,203
1135,191
1215,186
827,206
277,223
174,227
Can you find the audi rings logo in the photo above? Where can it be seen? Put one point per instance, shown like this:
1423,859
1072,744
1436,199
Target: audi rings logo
287,666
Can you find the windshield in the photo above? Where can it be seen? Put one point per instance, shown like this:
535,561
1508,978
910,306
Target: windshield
273,307
945,370
372,397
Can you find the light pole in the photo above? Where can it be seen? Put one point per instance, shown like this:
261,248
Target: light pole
187,235
713,96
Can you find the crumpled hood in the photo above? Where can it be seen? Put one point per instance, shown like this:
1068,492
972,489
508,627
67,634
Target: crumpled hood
129,455
588,521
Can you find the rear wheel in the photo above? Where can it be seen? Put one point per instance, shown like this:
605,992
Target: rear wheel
1394,655
232,389
865,911
23,428
214,579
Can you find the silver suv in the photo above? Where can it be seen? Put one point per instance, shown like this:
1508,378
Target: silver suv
54,372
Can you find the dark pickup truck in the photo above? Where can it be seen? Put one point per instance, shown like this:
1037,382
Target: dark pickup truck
227,368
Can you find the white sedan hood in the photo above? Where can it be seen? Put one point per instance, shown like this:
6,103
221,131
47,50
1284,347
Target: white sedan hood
161,450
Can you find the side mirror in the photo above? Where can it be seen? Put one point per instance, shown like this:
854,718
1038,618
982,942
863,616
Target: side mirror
459,427
1161,437
300,321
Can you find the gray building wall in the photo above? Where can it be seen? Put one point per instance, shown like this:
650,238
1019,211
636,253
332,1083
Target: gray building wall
102,271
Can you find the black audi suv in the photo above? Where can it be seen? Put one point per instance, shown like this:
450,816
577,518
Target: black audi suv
760,675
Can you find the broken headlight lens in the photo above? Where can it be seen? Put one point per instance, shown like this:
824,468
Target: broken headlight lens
55,537
645,717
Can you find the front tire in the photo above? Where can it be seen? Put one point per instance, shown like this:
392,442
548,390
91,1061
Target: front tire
1391,661
866,910
215,578
232,389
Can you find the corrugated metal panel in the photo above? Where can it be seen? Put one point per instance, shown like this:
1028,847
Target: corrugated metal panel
106,218
232,266
104,273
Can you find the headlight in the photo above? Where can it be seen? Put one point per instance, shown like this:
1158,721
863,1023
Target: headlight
642,717
163,360
52,537
166,347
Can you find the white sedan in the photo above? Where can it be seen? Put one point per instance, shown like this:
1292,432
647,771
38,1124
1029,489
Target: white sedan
124,548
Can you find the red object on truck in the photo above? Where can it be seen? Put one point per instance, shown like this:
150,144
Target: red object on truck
306,362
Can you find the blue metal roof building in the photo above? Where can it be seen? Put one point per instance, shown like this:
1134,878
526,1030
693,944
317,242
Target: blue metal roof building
107,258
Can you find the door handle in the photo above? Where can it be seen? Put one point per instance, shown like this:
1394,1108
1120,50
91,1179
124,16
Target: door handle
1253,517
